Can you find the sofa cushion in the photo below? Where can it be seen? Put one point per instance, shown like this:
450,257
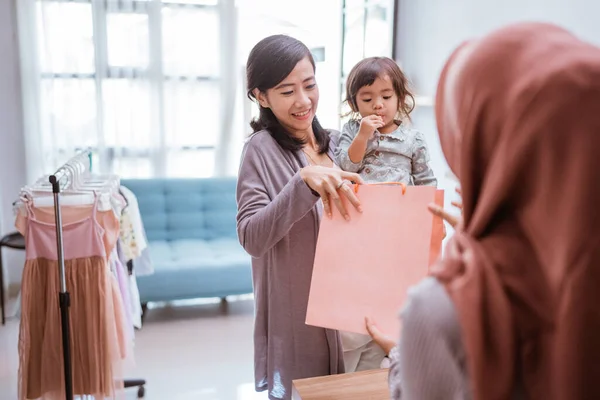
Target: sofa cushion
187,269
196,253
175,209
191,229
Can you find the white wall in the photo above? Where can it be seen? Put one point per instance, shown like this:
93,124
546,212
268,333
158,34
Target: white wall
429,30
12,151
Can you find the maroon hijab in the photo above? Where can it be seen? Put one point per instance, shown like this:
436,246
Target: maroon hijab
518,116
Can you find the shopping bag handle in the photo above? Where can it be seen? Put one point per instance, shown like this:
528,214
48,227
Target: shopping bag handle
383,183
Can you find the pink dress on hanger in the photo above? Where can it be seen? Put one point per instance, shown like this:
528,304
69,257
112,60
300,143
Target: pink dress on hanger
107,219
98,339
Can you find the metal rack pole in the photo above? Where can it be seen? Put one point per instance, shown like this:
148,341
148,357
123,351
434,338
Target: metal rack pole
63,295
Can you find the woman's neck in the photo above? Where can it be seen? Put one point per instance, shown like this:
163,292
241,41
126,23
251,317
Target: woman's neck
309,138
311,142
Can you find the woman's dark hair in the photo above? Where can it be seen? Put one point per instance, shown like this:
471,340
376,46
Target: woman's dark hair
366,71
269,63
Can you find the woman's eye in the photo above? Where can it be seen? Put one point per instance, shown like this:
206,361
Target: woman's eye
287,93
387,97
366,100
312,86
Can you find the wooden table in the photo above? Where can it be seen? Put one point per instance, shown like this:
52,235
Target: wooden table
365,385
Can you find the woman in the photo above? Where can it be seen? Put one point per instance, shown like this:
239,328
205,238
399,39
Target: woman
512,308
286,169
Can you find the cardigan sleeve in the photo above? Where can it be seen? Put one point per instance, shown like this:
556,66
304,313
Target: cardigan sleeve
429,363
263,221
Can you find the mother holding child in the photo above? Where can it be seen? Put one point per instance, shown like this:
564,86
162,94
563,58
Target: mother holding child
511,309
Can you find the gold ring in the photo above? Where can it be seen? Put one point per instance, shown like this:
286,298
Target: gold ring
340,185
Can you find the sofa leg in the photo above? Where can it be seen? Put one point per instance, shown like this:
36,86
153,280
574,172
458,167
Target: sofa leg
224,305
144,310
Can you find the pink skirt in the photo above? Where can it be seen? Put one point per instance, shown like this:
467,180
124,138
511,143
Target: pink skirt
98,335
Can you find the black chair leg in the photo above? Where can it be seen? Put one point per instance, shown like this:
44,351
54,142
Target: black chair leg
2,287
128,383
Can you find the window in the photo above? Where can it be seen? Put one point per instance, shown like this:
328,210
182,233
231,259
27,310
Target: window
317,23
367,31
136,80
156,87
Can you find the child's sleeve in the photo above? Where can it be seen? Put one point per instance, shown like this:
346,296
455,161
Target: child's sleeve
342,158
421,171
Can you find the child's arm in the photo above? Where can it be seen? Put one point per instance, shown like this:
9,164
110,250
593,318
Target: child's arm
349,133
354,142
421,171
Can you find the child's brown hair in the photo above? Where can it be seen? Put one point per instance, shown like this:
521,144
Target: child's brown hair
364,74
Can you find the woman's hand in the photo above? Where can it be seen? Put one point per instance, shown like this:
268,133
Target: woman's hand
382,340
449,218
331,184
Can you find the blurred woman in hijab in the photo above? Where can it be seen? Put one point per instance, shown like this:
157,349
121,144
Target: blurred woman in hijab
512,310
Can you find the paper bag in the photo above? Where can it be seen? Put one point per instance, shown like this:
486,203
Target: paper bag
437,234
363,267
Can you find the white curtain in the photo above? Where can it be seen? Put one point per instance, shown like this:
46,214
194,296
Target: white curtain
150,85
156,87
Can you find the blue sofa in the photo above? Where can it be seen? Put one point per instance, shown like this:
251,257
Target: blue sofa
191,229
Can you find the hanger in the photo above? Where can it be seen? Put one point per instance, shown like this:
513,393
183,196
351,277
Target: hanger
78,187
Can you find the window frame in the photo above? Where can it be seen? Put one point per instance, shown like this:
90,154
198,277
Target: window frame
392,7
154,74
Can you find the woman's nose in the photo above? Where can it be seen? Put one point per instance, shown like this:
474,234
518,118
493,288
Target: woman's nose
302,99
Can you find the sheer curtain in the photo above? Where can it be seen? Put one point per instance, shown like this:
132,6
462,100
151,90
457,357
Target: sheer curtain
339,32
317,23
156,87
139,81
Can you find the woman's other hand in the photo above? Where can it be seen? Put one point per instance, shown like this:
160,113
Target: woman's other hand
331,184
382,340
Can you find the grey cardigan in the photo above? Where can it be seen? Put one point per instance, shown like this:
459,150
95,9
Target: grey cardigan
277,223
430,361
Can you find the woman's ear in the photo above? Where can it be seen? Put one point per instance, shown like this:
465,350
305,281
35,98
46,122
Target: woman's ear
261,97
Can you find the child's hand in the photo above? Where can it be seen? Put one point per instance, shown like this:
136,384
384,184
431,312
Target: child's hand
369,124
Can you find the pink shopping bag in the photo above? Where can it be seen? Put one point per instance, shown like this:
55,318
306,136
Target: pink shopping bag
364,267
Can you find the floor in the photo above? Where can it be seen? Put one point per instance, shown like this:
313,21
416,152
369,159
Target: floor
199,350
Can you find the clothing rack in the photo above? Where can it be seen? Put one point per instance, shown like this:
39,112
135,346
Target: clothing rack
63,172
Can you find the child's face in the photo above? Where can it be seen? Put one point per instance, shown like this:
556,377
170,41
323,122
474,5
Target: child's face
379,98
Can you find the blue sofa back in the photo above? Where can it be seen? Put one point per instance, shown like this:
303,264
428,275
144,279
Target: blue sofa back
199,208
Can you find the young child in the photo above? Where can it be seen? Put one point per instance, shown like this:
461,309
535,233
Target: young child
377,144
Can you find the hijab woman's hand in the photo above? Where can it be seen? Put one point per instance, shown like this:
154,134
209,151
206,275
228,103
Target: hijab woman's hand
382,340
438,211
